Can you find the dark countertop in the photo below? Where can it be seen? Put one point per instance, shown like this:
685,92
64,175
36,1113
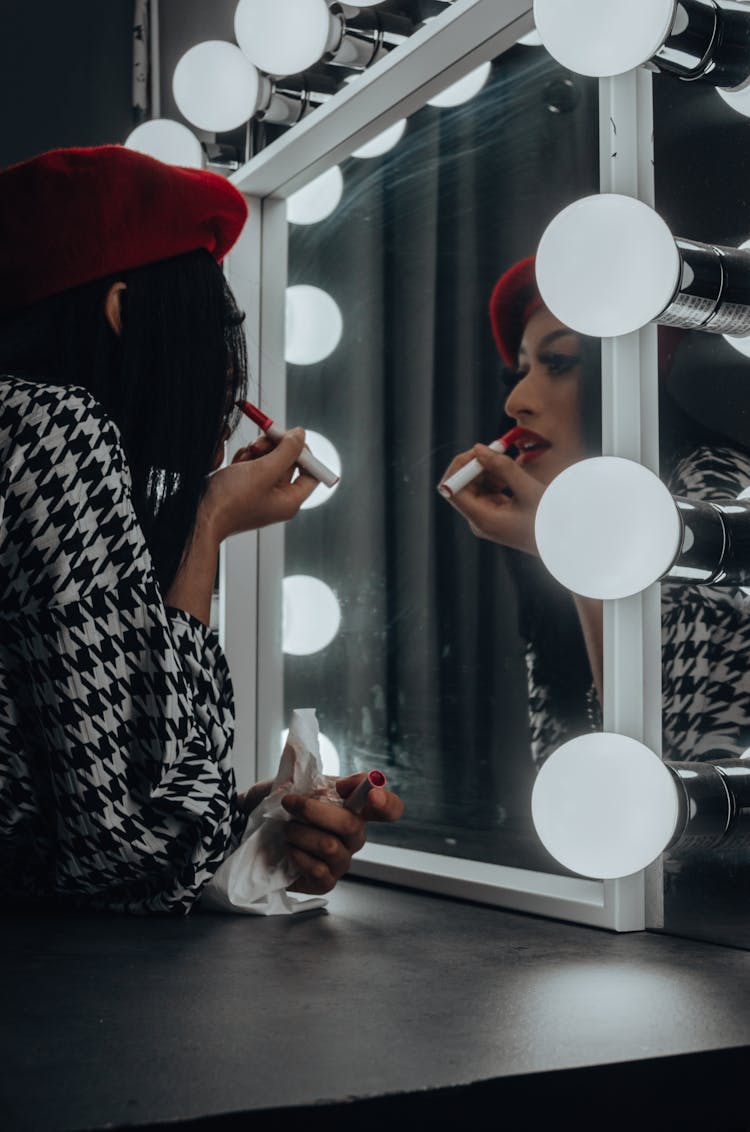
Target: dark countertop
392,1007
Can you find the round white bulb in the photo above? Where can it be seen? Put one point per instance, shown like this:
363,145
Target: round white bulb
464,89
739,100
603,37
167,141
382,142
215,87
604,805
317,200
741,345
313,325
607,528
283,37
323,450
606,265
329,756
311,615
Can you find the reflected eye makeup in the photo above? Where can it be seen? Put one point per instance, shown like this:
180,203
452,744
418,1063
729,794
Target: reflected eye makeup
559,364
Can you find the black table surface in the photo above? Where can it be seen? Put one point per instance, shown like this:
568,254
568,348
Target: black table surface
391,1008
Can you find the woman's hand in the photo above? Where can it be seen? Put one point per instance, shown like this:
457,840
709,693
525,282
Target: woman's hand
323,837
492,515
258,488
254,796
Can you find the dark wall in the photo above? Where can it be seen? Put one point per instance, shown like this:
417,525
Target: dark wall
65,75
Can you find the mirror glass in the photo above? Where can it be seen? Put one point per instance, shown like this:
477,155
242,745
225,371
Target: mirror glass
413,638
701,192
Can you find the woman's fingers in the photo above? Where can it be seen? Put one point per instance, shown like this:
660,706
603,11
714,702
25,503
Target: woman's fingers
327,819
316,879
323,837
259,447
491,512
507,473
456,464
382,805
320,845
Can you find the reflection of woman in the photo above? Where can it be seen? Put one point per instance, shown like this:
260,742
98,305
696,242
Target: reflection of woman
126,354
555,397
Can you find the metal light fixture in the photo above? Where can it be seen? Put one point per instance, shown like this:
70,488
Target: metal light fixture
168,141
605,805
287,37
691,39
218,89
597,543
608,264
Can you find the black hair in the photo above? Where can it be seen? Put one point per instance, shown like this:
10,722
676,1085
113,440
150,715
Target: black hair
169,380
548,619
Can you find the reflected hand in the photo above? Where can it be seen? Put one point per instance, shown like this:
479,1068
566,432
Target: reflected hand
323,837
491,514
258,487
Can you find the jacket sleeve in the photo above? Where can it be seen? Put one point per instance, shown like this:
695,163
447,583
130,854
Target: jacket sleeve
706,633
123,707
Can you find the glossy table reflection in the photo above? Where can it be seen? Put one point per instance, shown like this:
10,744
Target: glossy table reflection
392,1007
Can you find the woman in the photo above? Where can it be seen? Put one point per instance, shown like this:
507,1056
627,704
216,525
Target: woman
555,396
123,355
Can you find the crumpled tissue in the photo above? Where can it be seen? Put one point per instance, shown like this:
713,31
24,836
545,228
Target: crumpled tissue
254,878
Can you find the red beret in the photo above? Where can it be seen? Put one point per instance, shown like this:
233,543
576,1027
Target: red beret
515,297
70,216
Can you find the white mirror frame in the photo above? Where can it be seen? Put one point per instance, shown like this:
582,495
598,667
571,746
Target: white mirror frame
446,49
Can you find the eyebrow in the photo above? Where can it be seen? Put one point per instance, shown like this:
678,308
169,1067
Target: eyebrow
550,338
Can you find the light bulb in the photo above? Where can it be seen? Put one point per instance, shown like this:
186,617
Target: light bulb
167,141
311,615
605,805
329,756
607,528
316,200
326,452
382,142
466,88
215,87
607,264
284,37
741,345
739,100
603,37
313,325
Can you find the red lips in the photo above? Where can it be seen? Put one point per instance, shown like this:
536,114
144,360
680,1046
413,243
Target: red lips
529,444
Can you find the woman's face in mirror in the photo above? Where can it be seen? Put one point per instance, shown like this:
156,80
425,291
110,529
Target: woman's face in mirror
546,396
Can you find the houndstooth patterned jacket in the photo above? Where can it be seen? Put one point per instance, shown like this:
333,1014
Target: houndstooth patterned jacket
116,713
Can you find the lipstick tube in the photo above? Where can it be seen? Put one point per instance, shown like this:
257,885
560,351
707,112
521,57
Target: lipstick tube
274,432
358,798
473,469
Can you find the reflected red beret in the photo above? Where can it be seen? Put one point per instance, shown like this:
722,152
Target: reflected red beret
515,297
70,216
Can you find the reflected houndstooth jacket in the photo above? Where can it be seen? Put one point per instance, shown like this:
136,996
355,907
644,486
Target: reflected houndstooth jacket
705,644
706,633
116,713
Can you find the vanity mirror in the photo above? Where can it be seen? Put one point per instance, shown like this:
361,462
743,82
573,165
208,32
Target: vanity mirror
411,638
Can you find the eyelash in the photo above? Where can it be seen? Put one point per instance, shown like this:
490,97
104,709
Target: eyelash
557,364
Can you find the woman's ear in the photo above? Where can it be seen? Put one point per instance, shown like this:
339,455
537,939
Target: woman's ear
112,309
